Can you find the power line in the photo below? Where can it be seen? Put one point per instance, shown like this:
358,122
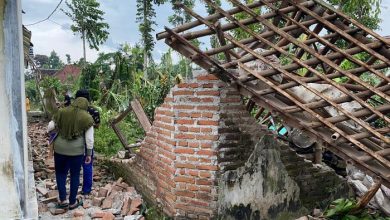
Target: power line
61,25
58,5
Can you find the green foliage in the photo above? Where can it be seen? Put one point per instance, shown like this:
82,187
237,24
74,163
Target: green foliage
145,16
117,78
51,82
88,21
343,209
68,60
42,61
54,61
31,91
106,141
365,11
179,16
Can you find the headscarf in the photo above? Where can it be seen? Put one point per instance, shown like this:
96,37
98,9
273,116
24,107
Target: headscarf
73,120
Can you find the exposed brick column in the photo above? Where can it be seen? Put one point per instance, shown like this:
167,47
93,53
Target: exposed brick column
180,153
199,131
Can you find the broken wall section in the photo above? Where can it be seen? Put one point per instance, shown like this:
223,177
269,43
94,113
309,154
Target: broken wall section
203,153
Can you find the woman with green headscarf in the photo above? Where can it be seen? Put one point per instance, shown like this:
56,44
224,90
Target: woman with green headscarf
75,130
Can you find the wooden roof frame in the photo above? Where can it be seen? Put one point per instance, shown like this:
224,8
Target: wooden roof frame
324,27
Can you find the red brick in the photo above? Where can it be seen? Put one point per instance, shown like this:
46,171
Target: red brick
204,160
192,187
183,128
192,129
207,100
168,99
207,137
208,93
207,122
188,85
182,185
207,167
166,105
193,144
208,85
182,172
184,151
206,145
206,152
182,143
165,119
163,132
183,92
185,165
208,107
207,114
199,203
204,174
207,77
196,115
193,172
184,136
165,112
183,179
165,126
205,189
168,155
185,121
194,99
166,160
203,196
206,130
205,182
184,107
185,194
184,114
192,159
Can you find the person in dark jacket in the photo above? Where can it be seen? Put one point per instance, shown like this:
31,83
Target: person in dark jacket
88,167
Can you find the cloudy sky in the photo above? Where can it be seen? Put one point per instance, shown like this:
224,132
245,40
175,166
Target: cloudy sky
55,34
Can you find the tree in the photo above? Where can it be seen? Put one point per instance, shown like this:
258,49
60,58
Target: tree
365,11
88,21
145,16
42,60
55,61
68,60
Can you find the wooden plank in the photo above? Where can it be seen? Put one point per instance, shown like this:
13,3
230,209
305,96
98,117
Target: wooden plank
141,116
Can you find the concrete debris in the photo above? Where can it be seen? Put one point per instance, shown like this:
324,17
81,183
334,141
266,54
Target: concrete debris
110,199
362,183
133,217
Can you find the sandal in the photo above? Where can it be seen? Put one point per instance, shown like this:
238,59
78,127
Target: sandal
78,203
62,205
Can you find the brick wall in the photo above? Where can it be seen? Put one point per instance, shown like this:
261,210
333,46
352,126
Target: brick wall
201,132
179,154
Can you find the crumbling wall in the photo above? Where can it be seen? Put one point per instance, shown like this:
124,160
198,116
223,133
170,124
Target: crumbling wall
205,157
276,183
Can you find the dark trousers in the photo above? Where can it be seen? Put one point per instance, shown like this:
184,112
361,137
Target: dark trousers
87,175
64,164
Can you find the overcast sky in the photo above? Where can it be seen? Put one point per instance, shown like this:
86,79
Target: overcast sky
120,15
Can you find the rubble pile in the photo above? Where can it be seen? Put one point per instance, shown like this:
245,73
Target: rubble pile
110,199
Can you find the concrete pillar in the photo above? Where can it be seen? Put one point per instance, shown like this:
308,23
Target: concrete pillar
13,126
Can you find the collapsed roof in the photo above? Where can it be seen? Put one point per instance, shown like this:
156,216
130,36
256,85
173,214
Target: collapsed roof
305,62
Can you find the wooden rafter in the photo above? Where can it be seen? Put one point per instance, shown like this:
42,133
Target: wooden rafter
319,54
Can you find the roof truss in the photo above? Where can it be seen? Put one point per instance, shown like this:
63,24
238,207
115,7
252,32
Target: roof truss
303,44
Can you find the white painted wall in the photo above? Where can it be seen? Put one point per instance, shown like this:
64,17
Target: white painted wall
13,129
